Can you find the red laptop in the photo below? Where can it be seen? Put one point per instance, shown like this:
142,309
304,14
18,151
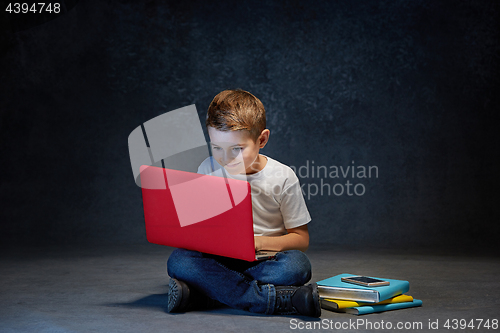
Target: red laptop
199,212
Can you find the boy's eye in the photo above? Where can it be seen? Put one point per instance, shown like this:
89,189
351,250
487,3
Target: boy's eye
216,148
237,148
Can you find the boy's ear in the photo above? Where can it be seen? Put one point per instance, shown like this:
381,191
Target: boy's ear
263,138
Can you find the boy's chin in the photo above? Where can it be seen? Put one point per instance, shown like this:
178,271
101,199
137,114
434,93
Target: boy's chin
234,171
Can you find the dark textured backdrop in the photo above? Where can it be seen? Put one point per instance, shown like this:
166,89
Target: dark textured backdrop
408,86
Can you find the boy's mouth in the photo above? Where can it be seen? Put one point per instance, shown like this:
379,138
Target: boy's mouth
232,165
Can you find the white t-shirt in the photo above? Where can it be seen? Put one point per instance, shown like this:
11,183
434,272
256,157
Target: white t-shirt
277,200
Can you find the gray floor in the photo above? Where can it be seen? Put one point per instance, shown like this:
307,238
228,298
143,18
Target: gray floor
123,289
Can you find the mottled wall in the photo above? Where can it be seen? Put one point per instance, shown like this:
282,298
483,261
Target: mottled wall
407,86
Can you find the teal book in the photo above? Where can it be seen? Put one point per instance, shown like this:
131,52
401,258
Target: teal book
335,288
366,309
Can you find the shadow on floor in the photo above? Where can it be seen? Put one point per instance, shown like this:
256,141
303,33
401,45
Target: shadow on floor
159,303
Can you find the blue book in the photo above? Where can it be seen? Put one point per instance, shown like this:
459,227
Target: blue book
335,288
366,309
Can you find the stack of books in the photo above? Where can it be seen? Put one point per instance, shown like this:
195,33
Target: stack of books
340,296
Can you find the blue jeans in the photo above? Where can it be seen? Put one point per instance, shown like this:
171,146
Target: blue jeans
240,284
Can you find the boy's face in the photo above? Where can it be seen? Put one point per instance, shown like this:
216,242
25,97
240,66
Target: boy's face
236,151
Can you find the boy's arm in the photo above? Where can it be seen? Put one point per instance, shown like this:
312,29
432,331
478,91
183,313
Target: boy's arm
296,239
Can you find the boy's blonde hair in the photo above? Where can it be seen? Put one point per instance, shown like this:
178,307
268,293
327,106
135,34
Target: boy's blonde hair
234,110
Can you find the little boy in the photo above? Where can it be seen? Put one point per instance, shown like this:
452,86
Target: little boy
236,123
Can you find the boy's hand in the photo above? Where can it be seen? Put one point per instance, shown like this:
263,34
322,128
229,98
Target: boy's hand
258,243
296,239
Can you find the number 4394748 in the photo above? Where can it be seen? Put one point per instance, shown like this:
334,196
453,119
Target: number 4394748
462,324
23,8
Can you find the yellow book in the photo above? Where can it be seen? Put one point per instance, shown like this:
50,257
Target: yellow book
336,304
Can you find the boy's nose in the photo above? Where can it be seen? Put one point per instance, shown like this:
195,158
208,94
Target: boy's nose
228,157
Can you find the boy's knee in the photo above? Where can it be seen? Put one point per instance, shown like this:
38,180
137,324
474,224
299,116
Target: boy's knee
297,267
298,258
181,261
